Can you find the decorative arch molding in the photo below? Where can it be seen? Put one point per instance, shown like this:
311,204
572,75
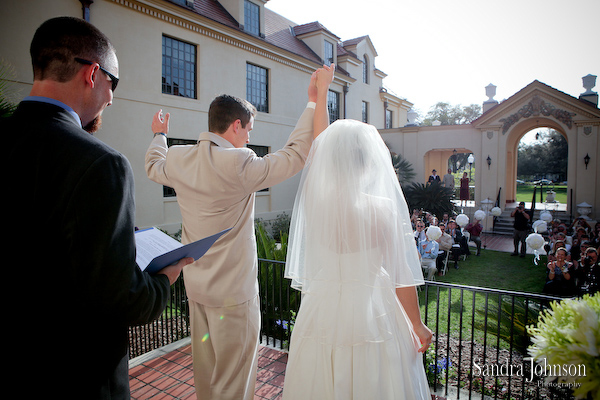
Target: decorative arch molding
537,106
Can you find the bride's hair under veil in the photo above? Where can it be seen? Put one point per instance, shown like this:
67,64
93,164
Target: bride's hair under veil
350,204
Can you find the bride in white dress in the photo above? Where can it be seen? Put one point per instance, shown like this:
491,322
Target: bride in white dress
358,333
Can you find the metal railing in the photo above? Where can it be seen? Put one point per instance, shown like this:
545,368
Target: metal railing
480,335
480,342
171,326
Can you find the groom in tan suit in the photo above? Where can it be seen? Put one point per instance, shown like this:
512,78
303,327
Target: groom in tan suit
215,181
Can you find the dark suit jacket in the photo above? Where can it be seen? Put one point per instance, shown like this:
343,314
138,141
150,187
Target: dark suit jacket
434,179
75,290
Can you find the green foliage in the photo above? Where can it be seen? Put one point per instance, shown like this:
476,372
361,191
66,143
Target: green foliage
280,226
448,114
547,156
279,303
7,104
267,247
404,169
501,325
569,335
433,198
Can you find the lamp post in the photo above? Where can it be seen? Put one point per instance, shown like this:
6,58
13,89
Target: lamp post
470,160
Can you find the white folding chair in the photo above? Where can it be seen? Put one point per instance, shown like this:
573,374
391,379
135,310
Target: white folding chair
445,263
467,236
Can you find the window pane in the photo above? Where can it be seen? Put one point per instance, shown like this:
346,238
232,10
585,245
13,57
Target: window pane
388,119
328,57
333,106
260,151
178,57
251,17
169,191
257,88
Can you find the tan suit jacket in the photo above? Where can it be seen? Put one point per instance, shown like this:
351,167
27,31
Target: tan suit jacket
215,185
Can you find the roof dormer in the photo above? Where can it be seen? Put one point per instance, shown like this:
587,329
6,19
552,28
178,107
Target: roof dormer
250,14
319,39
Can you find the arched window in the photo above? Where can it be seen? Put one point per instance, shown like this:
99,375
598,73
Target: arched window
365,69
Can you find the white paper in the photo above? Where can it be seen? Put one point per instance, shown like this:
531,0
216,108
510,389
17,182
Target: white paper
151,243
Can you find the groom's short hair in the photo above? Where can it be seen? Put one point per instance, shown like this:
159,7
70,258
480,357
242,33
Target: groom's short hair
225,110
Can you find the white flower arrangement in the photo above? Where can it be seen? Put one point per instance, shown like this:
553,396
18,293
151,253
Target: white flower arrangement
462,220
535,241
496,211
433,232
479,214
540,226
567,337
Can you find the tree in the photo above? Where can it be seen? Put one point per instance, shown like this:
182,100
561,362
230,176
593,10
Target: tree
403,168
433,198
448,114
543,158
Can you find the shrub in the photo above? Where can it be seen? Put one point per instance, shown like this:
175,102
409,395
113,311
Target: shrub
429,197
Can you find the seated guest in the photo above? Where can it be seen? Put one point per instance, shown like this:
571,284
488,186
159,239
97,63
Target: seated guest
475,229
420,231
428,249
458,238
559,281
445,245
445,219
416,215
430,219
557,244
579,246
595,236
590,283
581,223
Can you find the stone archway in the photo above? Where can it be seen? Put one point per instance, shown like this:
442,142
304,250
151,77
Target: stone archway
493,139
512,145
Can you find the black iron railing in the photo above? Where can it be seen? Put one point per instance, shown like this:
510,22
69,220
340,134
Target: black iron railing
173,325
480,342
480,335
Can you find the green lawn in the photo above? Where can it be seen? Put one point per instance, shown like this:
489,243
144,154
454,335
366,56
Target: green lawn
498,270
493,269
525,193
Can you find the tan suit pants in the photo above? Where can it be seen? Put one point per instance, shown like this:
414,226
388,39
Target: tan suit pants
225,350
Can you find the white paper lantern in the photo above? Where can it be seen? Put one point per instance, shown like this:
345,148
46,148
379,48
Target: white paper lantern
462,220
545,216
496,211
535,241
479,214
540,226
433,232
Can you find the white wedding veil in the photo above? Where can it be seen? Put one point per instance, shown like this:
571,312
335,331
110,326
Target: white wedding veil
350,206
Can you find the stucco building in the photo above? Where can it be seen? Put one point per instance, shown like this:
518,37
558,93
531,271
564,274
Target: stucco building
177,55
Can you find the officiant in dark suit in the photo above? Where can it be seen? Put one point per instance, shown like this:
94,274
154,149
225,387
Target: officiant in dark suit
77,289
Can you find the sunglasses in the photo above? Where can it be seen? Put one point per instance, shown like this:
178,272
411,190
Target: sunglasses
113,79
